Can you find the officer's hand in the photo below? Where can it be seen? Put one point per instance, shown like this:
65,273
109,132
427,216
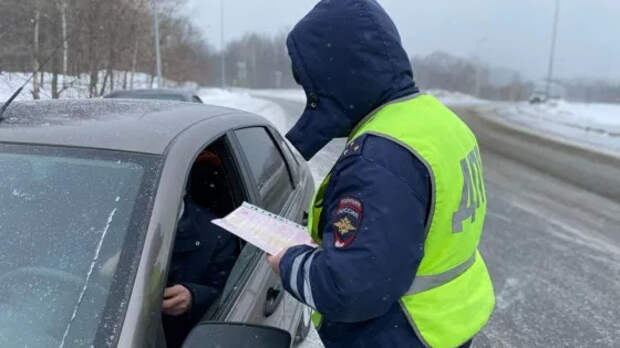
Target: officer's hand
274,261
177,300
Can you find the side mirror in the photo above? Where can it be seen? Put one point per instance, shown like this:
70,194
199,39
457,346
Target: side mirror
236,335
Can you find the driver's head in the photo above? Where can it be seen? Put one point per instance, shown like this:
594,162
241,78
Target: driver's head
204,178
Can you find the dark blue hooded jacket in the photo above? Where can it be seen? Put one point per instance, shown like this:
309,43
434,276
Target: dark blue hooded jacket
348,57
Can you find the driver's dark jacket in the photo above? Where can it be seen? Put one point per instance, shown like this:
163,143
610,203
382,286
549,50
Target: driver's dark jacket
203,257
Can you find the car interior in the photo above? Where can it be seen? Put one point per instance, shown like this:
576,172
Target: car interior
214,182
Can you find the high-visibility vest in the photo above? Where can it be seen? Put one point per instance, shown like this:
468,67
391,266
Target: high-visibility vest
451,298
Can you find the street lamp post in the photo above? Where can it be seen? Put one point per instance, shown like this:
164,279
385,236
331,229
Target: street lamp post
478,83
553,44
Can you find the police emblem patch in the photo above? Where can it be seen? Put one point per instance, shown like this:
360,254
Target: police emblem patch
347,220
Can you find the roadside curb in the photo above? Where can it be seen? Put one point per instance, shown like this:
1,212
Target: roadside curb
593,169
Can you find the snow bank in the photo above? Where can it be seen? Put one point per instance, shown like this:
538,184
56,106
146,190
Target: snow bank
603,119
455,98
78,86
295,95
298,95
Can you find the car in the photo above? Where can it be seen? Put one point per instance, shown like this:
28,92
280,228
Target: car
159,94
91,192
538,98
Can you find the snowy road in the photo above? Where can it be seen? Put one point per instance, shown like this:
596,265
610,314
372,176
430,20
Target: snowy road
552,253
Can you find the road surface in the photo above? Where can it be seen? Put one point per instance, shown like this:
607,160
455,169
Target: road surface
553,251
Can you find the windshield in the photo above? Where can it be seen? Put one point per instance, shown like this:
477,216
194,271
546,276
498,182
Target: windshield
66,224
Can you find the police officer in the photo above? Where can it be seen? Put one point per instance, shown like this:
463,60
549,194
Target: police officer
399,217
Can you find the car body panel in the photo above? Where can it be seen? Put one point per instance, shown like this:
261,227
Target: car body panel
123,125
144,306
159,94
253,295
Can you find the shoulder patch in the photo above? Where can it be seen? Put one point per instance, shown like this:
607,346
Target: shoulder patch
347,220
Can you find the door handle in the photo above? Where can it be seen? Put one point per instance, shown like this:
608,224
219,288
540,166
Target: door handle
272,301
304,220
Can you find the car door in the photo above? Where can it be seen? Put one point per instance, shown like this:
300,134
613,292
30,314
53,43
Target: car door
279,189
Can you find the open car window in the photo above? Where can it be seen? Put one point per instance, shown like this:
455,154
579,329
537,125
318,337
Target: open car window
216,185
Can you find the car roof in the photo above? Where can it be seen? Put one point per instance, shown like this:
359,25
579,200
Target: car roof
147,126
185,94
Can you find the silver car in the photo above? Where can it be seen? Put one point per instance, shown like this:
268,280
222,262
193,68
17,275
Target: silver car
90,196
160,94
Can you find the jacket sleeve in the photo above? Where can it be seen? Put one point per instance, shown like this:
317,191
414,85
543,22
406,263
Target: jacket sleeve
218,269
362,280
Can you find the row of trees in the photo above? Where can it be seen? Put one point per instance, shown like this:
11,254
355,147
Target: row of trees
441,70
104,44
91,39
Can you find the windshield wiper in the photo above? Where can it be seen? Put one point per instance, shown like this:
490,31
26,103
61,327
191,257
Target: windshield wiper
19,90
9,101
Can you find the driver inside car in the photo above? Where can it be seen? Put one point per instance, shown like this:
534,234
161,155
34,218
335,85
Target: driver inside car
202,258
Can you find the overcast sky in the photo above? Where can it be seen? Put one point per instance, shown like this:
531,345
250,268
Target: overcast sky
510,33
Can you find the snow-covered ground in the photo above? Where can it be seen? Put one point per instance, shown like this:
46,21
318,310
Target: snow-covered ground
297,95
592,124
455,98
77,86
242,100
602,118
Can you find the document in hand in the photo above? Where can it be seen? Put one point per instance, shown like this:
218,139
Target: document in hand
269,232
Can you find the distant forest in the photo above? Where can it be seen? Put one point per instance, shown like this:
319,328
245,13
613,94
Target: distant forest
97,39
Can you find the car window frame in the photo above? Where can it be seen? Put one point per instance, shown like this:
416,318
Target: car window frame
270,131
252,254
289,157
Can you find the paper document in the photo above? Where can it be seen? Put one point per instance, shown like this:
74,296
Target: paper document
269,232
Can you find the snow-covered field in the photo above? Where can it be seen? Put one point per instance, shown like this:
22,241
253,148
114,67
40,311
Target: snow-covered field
242,100
297,95
595,125
455,98
77,86
602,118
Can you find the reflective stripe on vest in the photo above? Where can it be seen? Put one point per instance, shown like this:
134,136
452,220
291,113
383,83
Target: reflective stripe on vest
425,283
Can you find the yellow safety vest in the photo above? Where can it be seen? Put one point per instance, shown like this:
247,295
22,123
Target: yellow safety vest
451,298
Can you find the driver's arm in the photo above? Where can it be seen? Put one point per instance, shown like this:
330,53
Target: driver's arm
205,292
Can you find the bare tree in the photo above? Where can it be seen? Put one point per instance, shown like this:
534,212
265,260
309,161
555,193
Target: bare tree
35,51
62,8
